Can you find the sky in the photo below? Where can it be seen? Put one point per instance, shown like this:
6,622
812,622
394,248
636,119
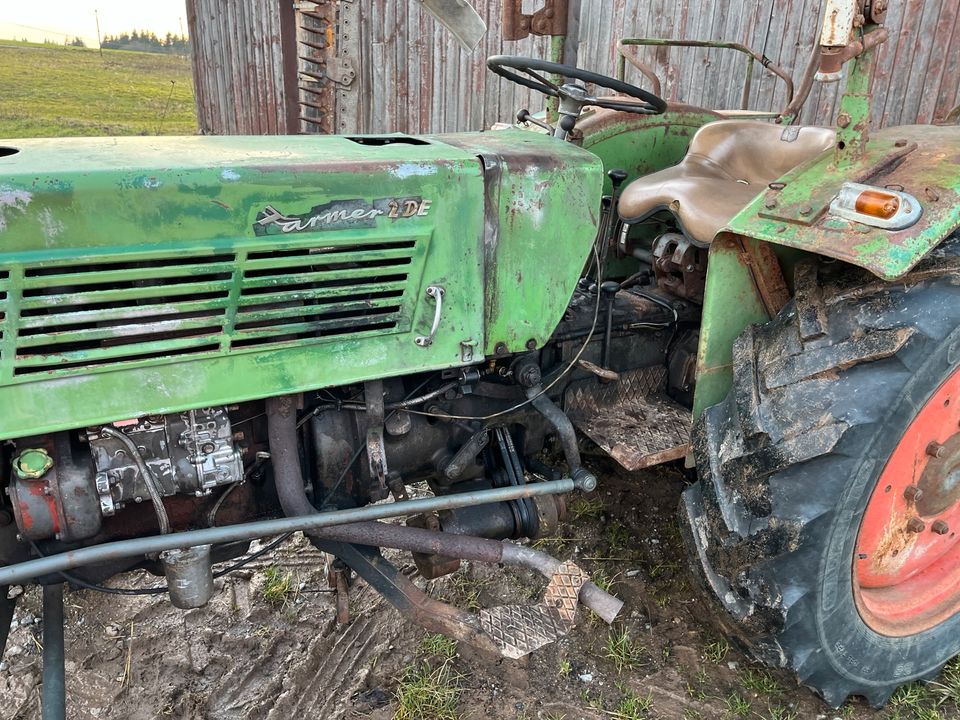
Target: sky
39,20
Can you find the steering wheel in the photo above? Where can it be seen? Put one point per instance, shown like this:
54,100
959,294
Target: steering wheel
574,96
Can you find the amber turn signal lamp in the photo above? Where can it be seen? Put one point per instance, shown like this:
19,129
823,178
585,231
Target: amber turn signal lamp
879,207
878,204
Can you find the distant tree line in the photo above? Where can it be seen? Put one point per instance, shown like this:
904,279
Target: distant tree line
146,41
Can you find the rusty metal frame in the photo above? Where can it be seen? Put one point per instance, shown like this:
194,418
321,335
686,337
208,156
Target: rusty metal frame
623,57
321,69
551,19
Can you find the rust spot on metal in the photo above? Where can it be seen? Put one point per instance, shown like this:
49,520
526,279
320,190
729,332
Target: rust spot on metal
894,546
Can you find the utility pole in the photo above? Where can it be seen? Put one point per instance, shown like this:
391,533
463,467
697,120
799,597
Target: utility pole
96,17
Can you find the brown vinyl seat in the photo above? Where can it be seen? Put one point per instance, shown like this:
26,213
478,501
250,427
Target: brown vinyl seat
728,163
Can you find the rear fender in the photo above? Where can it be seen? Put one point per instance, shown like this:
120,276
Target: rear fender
750,268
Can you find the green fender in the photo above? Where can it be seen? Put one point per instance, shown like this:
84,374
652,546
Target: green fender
747,284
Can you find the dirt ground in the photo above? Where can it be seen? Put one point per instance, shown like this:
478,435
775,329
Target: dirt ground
268,646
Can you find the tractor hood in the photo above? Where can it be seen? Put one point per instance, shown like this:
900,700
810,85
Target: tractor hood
142,276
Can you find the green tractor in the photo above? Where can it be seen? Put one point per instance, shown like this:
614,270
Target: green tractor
208,340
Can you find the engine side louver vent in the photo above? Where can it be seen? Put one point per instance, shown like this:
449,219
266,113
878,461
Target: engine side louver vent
4,283
306,292
121,311
76,316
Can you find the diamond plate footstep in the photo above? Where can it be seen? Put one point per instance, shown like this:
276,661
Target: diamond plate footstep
564,589
633,420
520,629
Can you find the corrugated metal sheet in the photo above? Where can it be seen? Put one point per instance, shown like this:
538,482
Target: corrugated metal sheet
238,67
413,77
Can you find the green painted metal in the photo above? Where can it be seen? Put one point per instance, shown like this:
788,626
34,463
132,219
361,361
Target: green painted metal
853,117
142,276
924,160
639,145
545,200
792,215
32,464
732,301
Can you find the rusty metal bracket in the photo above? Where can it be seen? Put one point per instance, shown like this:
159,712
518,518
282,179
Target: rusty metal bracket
376,451
341,71
551,19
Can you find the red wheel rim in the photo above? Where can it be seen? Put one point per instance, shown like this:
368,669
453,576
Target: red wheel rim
906,576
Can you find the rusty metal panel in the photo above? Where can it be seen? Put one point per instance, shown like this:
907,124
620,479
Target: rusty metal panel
238,67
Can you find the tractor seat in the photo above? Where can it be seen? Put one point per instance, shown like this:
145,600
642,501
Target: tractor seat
728,163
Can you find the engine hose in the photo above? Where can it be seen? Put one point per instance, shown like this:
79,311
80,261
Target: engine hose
149,479
284,453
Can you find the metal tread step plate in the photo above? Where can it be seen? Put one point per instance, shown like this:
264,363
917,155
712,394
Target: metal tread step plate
632,420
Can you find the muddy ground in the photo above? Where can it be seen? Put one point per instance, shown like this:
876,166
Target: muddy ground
268,646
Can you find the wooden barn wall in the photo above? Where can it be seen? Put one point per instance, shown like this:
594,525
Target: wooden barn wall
413,77
238,67
417,78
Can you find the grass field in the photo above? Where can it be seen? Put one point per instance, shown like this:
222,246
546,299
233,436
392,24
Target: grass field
50,91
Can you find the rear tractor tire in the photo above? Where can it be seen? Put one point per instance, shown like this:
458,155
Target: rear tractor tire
827,515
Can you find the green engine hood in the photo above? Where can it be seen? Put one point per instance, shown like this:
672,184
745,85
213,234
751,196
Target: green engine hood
142,276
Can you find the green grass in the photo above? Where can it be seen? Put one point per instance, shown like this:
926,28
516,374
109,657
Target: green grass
947,688
737,706
623,651
54,91
761,682
277,586
429,693
438,646
586,508
631,706
716,651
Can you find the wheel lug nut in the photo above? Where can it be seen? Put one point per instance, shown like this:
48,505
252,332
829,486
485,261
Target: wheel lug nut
916,525
935,449
940,527
912,493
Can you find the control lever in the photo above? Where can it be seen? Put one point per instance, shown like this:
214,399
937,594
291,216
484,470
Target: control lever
617,177
608,290
524,116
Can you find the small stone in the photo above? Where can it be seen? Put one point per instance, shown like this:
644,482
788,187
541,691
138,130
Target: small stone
112,631
14,651
586,677
14,591
632,573
732,665
27,619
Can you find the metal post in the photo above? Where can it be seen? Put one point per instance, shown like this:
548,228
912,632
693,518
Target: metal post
96,17
853,119
54,693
